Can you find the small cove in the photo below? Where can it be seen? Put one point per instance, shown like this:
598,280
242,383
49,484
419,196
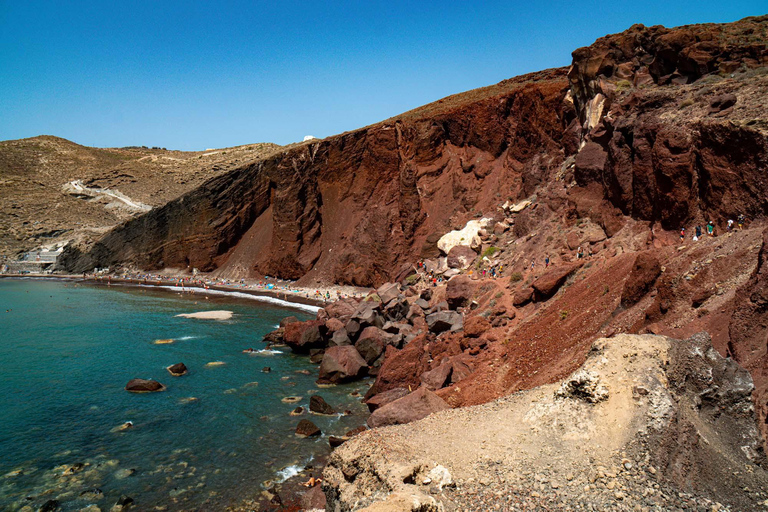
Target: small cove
210,440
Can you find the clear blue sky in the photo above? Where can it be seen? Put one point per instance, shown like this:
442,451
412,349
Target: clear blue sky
192,75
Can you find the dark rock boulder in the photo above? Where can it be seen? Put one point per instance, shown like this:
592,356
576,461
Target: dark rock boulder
341,364
459,291
342,309
306,428
275,337
332,325
461,256
522,297
437,378
475,326
339,338
303,336
643,275
288,320
353,328
371,343
415,406
319,406
143,386
396,310
402,368
388,292
177,370
445,321
367,314
316,355
382,399
548,283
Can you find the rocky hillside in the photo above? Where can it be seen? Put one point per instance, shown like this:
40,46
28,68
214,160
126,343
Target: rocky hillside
649,423
54,191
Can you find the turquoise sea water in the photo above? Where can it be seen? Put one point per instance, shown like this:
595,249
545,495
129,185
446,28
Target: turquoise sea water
66,352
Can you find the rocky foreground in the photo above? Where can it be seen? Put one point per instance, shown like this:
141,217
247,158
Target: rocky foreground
648,423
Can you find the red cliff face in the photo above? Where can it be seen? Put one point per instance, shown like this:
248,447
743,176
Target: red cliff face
650,130
353,207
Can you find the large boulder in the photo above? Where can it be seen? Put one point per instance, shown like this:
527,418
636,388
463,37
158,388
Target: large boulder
547,285
382,399
371,343
475,326
461,256
301,337
332,325
415,406
368,313
444,321
388,292
342,309
643,275
143,386
318,405
341,364
396,309
438,377
522,297
459,291
402,368
339,338
288,320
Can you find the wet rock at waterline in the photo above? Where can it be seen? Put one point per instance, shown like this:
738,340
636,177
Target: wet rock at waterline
306,428
143,386
318,405
177,370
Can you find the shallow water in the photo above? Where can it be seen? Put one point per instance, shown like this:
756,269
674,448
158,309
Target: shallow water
211,439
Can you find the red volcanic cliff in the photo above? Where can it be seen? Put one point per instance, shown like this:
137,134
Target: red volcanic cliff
353,207
650,130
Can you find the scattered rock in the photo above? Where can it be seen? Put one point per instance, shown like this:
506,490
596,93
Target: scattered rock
319,406
177,370
341,364
306,428
143,386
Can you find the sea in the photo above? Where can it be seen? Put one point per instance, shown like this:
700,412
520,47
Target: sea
217,436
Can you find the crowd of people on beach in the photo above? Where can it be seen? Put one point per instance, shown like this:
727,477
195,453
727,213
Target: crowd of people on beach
279,287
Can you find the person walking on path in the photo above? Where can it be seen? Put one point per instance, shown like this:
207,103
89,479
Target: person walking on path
546,261
698,231
711,228
682,234
741,220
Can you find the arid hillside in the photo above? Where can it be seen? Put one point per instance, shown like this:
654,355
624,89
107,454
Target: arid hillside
38,207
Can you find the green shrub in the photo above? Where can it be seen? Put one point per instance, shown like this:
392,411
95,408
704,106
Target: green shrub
563,314
489,252
623,85
515,277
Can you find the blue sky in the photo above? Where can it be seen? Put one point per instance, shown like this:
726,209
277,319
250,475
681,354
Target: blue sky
193,75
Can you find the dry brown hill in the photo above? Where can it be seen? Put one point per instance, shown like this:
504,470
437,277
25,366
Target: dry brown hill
36,210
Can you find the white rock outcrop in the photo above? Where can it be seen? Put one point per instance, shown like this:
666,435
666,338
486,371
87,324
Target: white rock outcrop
467,236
